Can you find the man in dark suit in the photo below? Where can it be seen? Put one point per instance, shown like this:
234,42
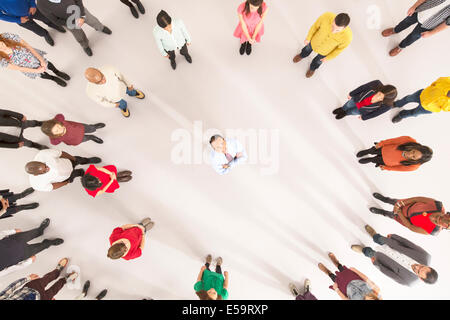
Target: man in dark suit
8,206
10,120
399,259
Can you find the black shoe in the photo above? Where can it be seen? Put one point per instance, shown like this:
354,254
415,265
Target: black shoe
140,7
94,160
29,206
397,119
249,48
63,75
38,146
379,196
379,211
88,51
99,125
365,160
44,224
173,64
188,57
96,139
363,153
57,242
134,12
336,111
60,29
86,286
106,30
26,192
60,82
101,295
342,114
49,40
243,48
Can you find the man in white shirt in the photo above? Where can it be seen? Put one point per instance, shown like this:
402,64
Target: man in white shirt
107,87
226,154
399,259
53,169
171,36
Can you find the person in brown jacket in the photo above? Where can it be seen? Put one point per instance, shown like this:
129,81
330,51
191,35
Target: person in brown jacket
398,154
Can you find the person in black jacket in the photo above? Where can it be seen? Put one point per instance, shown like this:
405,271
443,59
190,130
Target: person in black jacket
10,120
72,14
8,200
368,101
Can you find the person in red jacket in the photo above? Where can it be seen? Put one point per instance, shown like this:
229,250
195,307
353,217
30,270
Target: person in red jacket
128,240
71,133
98,180
398,154
418,214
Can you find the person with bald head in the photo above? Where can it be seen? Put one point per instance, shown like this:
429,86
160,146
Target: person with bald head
107,87
53,169
226,154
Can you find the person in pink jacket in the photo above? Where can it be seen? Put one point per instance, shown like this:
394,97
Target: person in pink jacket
251,24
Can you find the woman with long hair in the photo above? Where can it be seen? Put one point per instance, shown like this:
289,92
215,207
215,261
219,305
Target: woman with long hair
212,285
16,54
368,101
98,180
251,24
398,154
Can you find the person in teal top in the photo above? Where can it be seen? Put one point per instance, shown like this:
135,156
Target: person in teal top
212,285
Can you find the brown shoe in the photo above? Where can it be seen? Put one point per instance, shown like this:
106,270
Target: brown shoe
395,51
209,258
388,32
333,259
370,230
298,58
324,269
310,73
357,248
219,261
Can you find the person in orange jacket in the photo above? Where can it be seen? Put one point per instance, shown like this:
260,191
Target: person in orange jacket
398,154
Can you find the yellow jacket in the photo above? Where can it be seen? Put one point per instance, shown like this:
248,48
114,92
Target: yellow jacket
326,43
435,97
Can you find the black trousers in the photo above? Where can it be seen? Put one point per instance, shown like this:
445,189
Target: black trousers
12,142
13,208
378,159
31,249
333,276
34,27
183,51
218,268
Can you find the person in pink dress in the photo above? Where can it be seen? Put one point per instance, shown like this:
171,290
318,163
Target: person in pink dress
251,24
98,180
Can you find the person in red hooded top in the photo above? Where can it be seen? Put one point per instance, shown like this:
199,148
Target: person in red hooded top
98,180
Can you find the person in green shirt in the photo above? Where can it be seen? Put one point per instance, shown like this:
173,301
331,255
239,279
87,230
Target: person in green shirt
212,285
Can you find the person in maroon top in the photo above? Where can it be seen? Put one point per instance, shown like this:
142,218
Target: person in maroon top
71,133
419,214
128,240
98,180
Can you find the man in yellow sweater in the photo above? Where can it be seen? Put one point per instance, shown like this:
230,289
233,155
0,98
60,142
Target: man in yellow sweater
435,98
328,37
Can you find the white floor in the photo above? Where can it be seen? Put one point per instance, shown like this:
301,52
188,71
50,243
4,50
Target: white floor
270,229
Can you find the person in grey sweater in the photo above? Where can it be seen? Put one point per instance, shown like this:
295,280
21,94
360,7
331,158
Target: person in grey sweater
72,14
399,259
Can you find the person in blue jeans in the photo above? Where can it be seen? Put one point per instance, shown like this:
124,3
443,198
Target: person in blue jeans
413,98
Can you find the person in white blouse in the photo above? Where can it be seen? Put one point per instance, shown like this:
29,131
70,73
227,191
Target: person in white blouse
170,36
53,169
226,154
107,87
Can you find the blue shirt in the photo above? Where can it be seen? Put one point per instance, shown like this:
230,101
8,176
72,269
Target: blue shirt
13,10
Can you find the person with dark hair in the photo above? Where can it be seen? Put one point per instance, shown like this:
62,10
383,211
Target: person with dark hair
226,154
433,99
133,10
108,87
8,206
84,293
34,288
171,36
350,284
307,295
53,169
368,101
63,14
16,253
399,259
69,132
212,285
128,241
430,18
98,180
419,214
250,29
328,37
24,13
12,127
16,54
398,154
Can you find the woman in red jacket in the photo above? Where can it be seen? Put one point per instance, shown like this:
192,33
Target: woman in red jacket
98,180
398,154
